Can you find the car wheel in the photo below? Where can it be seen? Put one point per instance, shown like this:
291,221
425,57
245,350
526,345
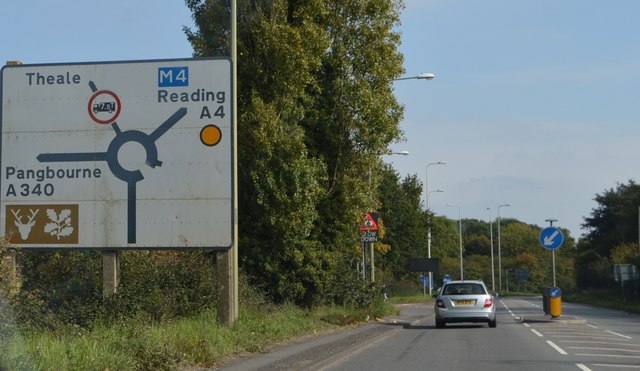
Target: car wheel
440,323
493,323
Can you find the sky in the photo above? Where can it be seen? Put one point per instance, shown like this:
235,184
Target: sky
533,103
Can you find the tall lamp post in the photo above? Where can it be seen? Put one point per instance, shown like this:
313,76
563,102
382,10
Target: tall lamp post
460,231
429,237
493,273
372,244
499,250
427,194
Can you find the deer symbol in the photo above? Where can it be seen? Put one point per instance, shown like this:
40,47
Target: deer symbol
24,228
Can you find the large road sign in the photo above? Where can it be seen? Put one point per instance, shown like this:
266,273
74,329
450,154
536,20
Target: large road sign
551,238
118,155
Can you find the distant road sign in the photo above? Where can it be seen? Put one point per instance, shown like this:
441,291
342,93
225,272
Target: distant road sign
369,228
551,238
555,292
370,222
424,265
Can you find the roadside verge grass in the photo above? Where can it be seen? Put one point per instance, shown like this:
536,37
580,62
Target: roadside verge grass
139,344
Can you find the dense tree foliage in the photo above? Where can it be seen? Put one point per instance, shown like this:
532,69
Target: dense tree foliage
405,222
315,113
612,236
615,220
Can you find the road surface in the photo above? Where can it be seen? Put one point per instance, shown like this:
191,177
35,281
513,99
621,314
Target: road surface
583,338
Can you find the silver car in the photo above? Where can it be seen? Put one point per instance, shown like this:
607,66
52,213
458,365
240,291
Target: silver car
464,301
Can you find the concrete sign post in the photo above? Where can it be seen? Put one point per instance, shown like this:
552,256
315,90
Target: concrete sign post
118,155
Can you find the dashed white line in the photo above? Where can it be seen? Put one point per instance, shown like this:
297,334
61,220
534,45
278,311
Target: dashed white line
592,326
583,367
618,366
615,333
591,342
557,348
616,349
537,332
606,355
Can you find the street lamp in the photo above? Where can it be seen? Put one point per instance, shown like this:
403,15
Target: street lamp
427,194
493,274
499,251
402,153
420,76
426,179
371,244
460,230
429,237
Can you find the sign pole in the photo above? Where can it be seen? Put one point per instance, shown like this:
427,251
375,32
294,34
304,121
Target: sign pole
110,273
227,261
551,238
364,261
373,267
553,258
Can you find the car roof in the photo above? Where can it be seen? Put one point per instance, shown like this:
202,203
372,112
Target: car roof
465,281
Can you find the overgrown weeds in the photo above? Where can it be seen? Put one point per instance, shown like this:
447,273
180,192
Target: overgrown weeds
163,316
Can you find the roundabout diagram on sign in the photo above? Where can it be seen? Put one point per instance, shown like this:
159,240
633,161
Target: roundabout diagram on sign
101,101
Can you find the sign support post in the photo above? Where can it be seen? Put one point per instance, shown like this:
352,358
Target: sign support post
110,273
227,261
551,238
369,236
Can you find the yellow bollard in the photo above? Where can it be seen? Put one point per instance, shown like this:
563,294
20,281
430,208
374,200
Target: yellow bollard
555,301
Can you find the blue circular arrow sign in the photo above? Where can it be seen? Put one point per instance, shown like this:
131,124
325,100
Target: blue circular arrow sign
555,292
551,238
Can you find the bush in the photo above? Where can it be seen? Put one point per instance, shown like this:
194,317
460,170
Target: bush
349,289
64,288
164,284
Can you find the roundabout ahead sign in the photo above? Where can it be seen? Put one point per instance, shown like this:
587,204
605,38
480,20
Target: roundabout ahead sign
117,155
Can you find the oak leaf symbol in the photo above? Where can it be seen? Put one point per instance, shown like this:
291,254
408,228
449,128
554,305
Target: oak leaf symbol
60,224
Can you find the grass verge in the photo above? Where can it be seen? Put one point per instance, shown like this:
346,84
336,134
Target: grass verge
197,341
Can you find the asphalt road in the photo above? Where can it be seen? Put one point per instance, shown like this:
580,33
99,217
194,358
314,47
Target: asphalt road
582,338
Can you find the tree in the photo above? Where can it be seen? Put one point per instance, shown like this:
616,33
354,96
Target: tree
315,113
518,238
613,223
615,220
477,245
405,221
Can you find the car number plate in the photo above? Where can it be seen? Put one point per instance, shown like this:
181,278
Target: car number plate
464,302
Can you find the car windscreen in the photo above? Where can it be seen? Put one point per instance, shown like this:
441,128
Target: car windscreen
464,289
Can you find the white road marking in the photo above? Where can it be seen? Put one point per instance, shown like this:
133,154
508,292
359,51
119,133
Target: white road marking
537,332
615,333
606,355
583,367
618,349
591,342
620,366
560,350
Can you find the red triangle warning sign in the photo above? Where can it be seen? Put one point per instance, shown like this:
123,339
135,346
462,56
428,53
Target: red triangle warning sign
370,222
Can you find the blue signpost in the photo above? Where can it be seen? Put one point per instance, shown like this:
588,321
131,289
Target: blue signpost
551,238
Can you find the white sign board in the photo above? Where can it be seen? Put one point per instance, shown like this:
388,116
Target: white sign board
118,155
